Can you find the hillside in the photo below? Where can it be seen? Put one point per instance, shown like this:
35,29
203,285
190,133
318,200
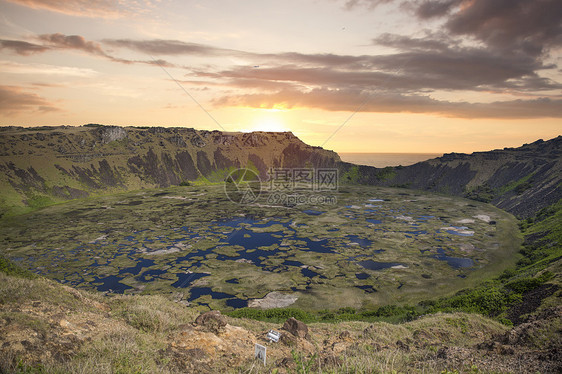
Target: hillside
519,180
40,166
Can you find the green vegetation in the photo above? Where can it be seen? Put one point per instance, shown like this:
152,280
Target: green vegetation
10,268
386,173
351,176
518,186
386,313
483,193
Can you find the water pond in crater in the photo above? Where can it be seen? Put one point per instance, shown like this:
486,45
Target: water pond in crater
218,254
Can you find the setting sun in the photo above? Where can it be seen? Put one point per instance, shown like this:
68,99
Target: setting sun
269,120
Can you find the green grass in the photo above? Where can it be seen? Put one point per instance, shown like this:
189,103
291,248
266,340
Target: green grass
10,268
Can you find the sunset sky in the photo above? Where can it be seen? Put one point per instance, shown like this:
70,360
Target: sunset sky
349,75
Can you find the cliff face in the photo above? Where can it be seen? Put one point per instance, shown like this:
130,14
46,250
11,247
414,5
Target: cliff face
520,180
42,165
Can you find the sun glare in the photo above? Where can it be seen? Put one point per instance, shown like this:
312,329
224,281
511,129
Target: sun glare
270,121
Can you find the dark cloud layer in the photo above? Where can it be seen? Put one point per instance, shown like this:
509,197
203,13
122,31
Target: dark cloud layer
170,47
521,25
357,100
21,47
513,39
76,42
15,99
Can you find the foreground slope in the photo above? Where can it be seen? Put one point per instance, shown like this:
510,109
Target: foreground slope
50,328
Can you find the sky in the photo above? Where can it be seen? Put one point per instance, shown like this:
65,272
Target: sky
421,76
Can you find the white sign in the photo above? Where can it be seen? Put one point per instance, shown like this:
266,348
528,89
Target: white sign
273,336
260,353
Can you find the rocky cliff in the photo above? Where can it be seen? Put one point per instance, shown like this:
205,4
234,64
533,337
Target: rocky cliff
520,180
39,166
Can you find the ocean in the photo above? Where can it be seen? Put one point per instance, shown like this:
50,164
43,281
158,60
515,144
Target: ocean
380,160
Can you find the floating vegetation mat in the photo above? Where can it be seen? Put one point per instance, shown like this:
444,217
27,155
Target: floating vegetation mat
369,246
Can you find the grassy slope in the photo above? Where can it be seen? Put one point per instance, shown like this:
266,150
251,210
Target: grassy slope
51,328
46,327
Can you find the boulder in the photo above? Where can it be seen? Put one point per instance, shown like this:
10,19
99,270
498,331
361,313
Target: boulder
212,321
296,327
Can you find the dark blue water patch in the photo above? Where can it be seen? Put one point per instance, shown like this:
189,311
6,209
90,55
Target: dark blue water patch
375,221
378,251
318,246
461,276
375,265
233,281
370,210
333,229
185,279
111,283
400,286
237,303
197,292
135,270
361,241
312,212
362,276
310,274
454,262
367,288
422,251
252,240
293,263
154,273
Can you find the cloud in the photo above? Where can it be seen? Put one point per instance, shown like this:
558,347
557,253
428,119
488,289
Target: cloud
405,77
76,42
15,99
58,41
21,47
371,4
356,100
82,8
430,9
171,47
512,26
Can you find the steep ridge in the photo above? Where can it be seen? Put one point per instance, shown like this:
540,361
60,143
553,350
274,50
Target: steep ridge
519,180
39,166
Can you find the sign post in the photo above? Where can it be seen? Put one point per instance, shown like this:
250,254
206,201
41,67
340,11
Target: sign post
260,353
